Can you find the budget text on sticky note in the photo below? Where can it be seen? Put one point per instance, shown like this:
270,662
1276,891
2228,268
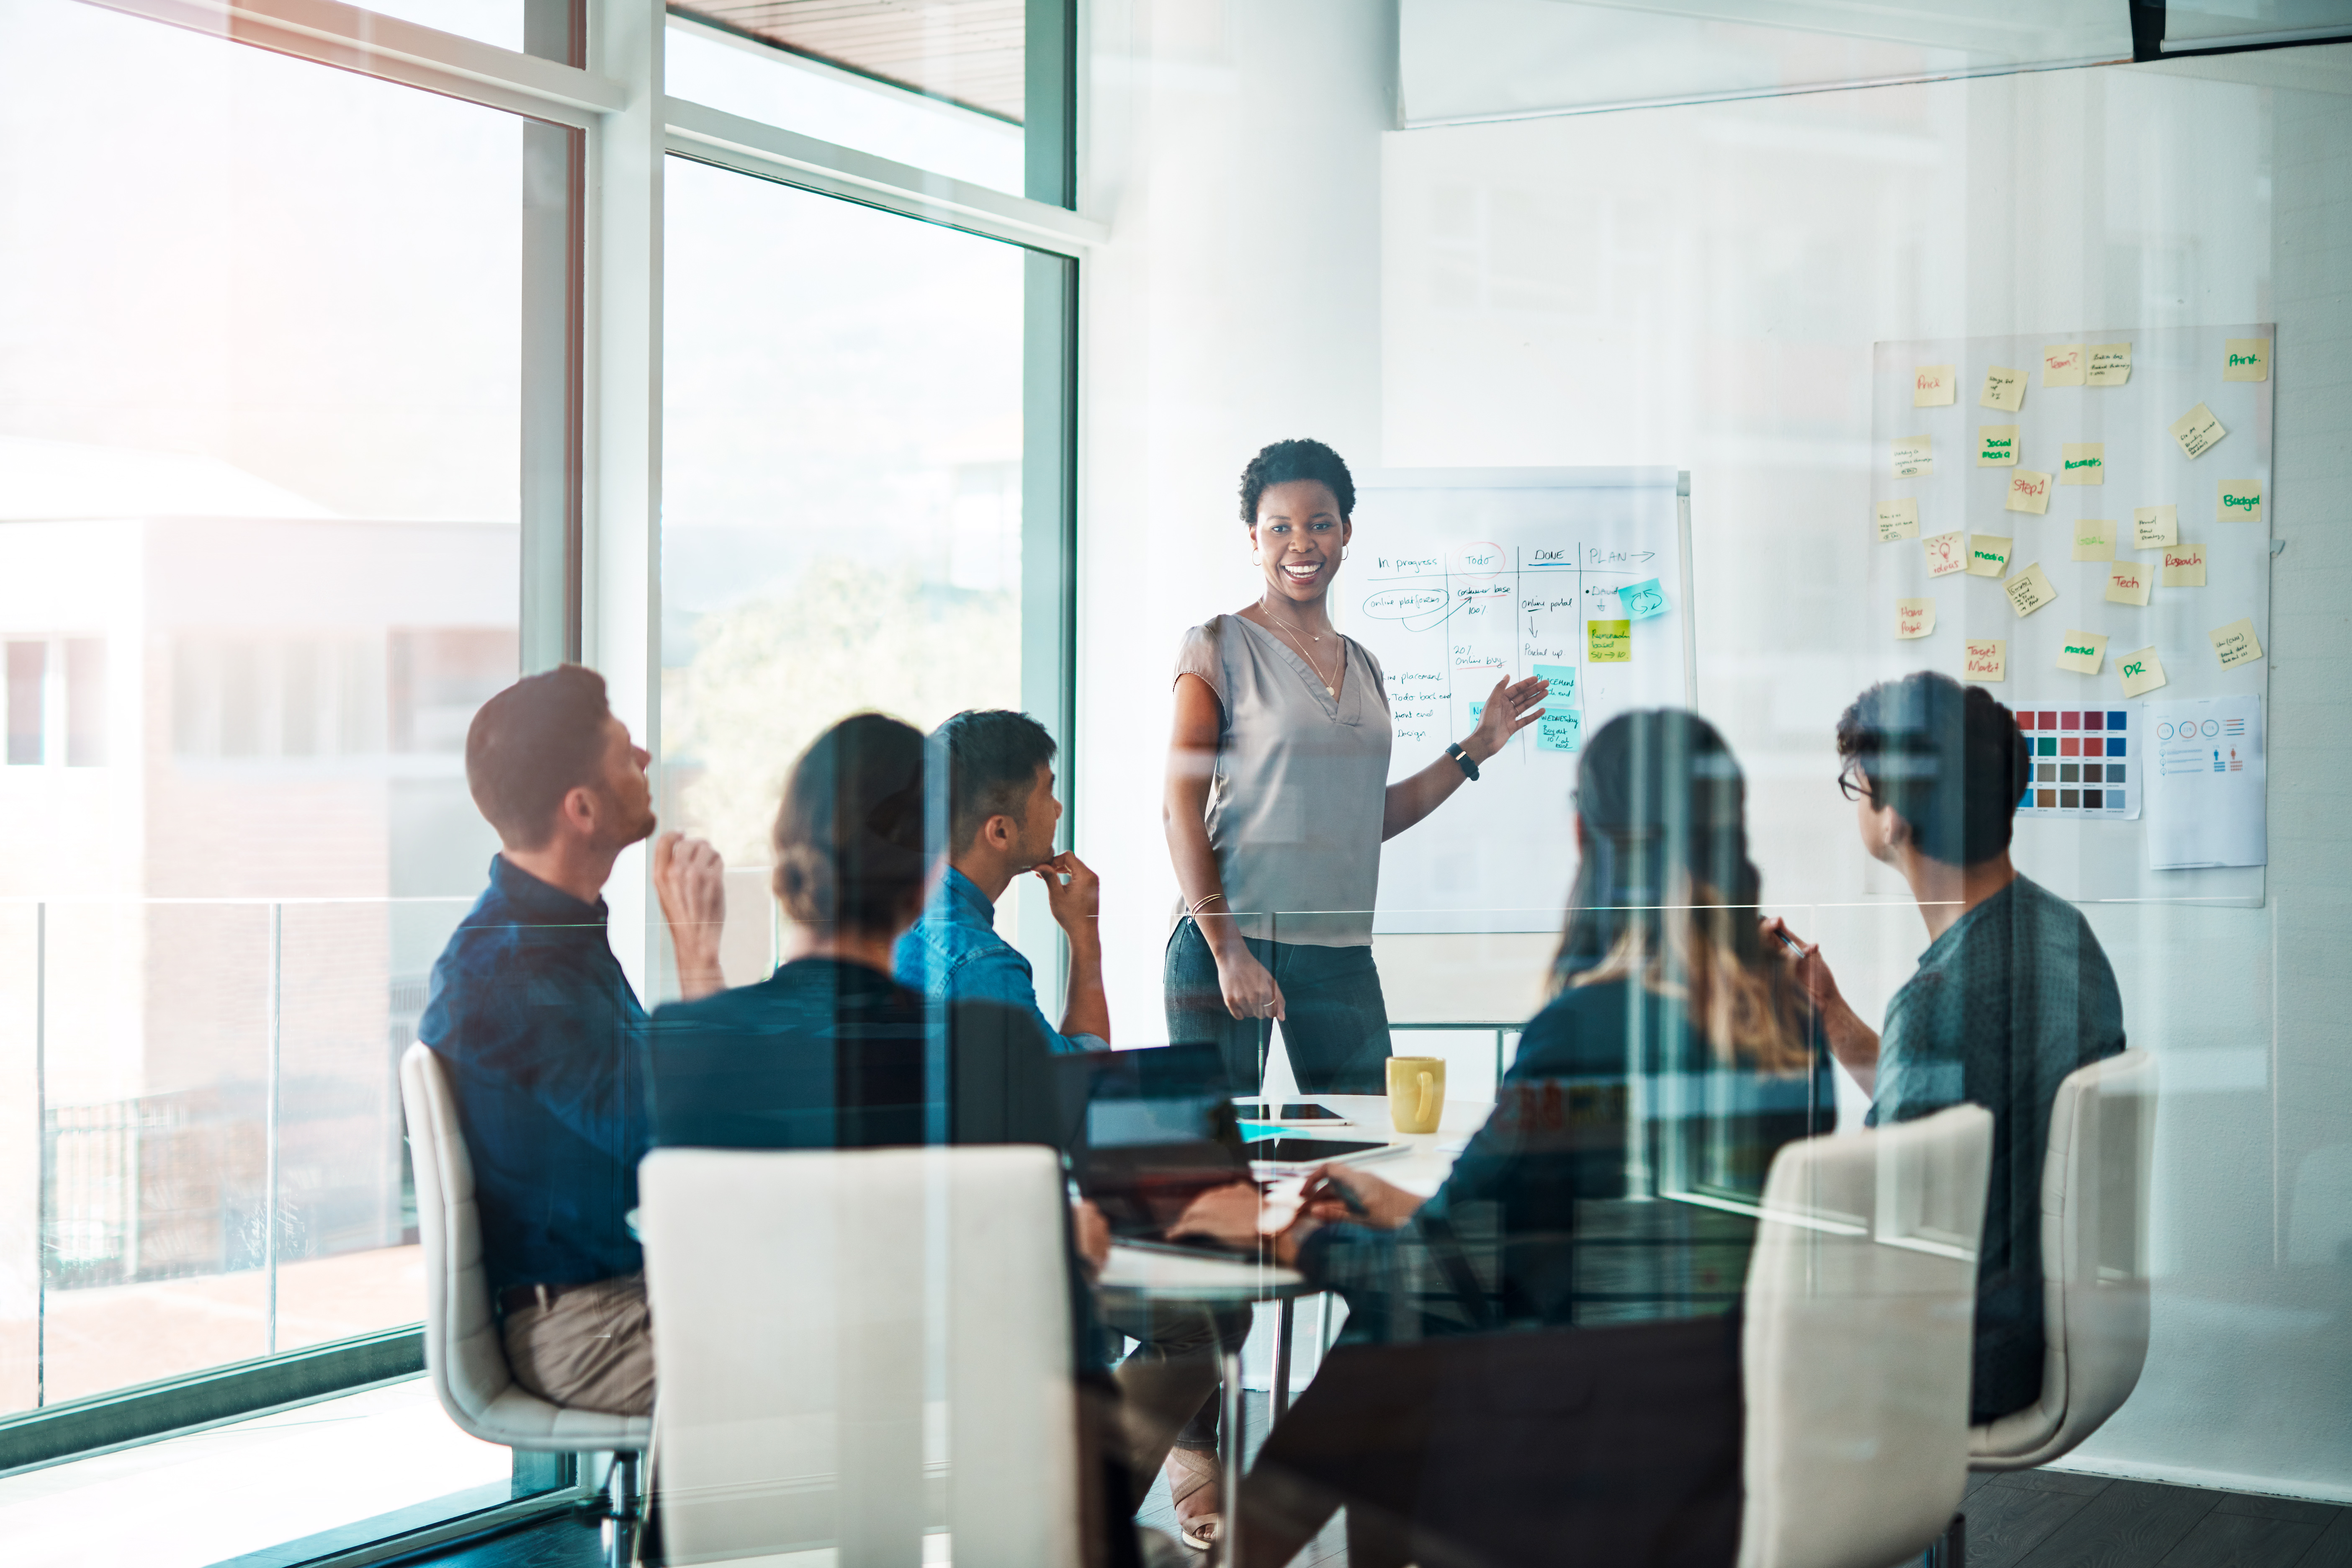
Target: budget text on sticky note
1932,386
1914,455
2003,389
1947,552
2094,538
2082,463
1984,658
2127,583
2141,671
2027,492
1988,554
2246,359
2184,566
2110,364
2061,365
1914,619
2154,527
2029,591
1609,642
1898,520
2082,652
2236,644
1642,600
1996,446
2238,500
2197,431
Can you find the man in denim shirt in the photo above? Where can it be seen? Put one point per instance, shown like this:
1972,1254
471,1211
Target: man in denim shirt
1001,819
543,1040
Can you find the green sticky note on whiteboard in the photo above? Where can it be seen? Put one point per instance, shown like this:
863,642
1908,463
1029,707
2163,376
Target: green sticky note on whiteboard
1642,600
1561,728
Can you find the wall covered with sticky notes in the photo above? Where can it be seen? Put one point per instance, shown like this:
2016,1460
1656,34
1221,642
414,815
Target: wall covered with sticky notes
2110,440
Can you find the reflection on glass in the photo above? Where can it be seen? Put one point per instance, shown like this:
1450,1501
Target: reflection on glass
969,52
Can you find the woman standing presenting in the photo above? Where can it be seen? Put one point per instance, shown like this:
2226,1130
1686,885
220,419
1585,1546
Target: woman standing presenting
1278,798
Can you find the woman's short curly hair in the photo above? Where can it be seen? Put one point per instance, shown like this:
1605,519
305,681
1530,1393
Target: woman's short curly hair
1287,460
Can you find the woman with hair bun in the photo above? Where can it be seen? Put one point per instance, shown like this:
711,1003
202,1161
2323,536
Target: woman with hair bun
1278,801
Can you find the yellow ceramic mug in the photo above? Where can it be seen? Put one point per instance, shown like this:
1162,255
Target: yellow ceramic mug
1416,1092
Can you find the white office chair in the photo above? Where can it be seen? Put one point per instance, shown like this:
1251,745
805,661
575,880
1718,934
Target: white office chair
463,1353
1860,1313
859,1348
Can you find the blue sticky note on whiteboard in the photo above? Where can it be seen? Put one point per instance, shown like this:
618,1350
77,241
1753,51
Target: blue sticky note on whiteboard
1642,600
1561,728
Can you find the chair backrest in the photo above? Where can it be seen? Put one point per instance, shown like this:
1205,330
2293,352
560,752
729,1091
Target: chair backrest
2094,1286
1860,1313
861,1347
463,1354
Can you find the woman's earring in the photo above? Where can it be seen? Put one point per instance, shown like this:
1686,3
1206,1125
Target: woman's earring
1343,553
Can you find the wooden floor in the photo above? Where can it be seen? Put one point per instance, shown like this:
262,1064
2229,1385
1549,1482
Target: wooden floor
2036,1519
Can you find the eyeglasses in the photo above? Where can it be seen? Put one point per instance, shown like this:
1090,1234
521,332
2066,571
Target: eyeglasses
1853,783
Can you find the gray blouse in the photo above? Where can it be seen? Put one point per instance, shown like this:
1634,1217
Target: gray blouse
1301,784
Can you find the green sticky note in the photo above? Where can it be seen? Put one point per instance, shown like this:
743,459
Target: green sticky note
1609,642
1642,600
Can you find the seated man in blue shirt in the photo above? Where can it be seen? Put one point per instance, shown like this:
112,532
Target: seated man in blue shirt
542,1038
2013,993
1001,819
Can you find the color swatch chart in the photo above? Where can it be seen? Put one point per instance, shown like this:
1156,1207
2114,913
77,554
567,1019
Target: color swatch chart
2084,763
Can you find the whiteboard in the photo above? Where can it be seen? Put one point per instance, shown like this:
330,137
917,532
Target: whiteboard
1459,576
2082,855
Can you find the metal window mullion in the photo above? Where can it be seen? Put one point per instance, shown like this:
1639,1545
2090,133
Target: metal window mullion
276,1017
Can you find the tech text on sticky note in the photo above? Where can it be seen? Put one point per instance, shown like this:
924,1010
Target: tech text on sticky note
2127,583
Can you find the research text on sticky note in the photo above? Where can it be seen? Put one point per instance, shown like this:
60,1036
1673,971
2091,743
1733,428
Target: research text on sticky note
2184,566
2082,652
1898,520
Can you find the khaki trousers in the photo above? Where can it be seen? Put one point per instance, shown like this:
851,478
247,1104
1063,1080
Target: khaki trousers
591,1348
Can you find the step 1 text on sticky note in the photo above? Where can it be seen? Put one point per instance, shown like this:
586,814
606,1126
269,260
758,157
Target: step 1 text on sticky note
2197,431
2082,652
2236,644
1914,619
2027,492
2141,671
2154,527
1898,520
1996,446
1984,658
1609,642
1988,554
2238,500
2094,538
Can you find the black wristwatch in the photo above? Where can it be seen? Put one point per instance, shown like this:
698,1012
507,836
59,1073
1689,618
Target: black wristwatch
1462,759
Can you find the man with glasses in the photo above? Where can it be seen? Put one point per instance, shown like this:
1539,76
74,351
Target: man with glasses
2013,993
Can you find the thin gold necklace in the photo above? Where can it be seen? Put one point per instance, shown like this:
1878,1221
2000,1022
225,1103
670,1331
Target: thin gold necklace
1285,626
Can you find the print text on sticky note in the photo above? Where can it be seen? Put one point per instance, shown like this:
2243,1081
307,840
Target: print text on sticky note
1932,386
1898,520
2061,365
2095,539
2029,591
2027,492
1914,619
2141,671
1996,446
2110,364
1609,642
2082,463
2197,431
2236,644
2082,652
2154,527
1984,658
2246,359
1914,455
2003,389
1988,554
1642,600
2184,566
2127,583
1947,552
2238,500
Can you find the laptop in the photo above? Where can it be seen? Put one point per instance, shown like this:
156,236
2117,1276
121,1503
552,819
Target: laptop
1155,1129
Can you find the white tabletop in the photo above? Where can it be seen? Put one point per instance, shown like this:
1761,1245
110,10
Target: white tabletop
1426,1157
1169,1276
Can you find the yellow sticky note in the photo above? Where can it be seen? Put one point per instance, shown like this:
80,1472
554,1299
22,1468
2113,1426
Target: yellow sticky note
1898,520
2094,538
1947,552
1932,386
2141,671
2240,501
2082,652
2082,463
2236,644
1985,659
2027,492
2184,566
2029,591
2061,365
2003,389
2246,359
1996,446
2197,431
2154,527
1914,455
1609,642
2127,583
1914,619
1988,554
2110,364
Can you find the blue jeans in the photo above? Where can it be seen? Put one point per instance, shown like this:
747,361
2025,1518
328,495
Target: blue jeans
1336,1024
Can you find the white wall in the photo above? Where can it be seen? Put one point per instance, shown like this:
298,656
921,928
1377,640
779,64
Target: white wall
1701,287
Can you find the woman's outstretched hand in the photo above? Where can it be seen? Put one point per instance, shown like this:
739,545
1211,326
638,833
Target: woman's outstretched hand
1249,990
1510,708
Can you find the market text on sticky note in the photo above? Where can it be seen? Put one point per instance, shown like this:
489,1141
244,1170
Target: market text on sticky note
1988,554
2082,651
1609,642
1898,520
1914,618
1996,446
1985,659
